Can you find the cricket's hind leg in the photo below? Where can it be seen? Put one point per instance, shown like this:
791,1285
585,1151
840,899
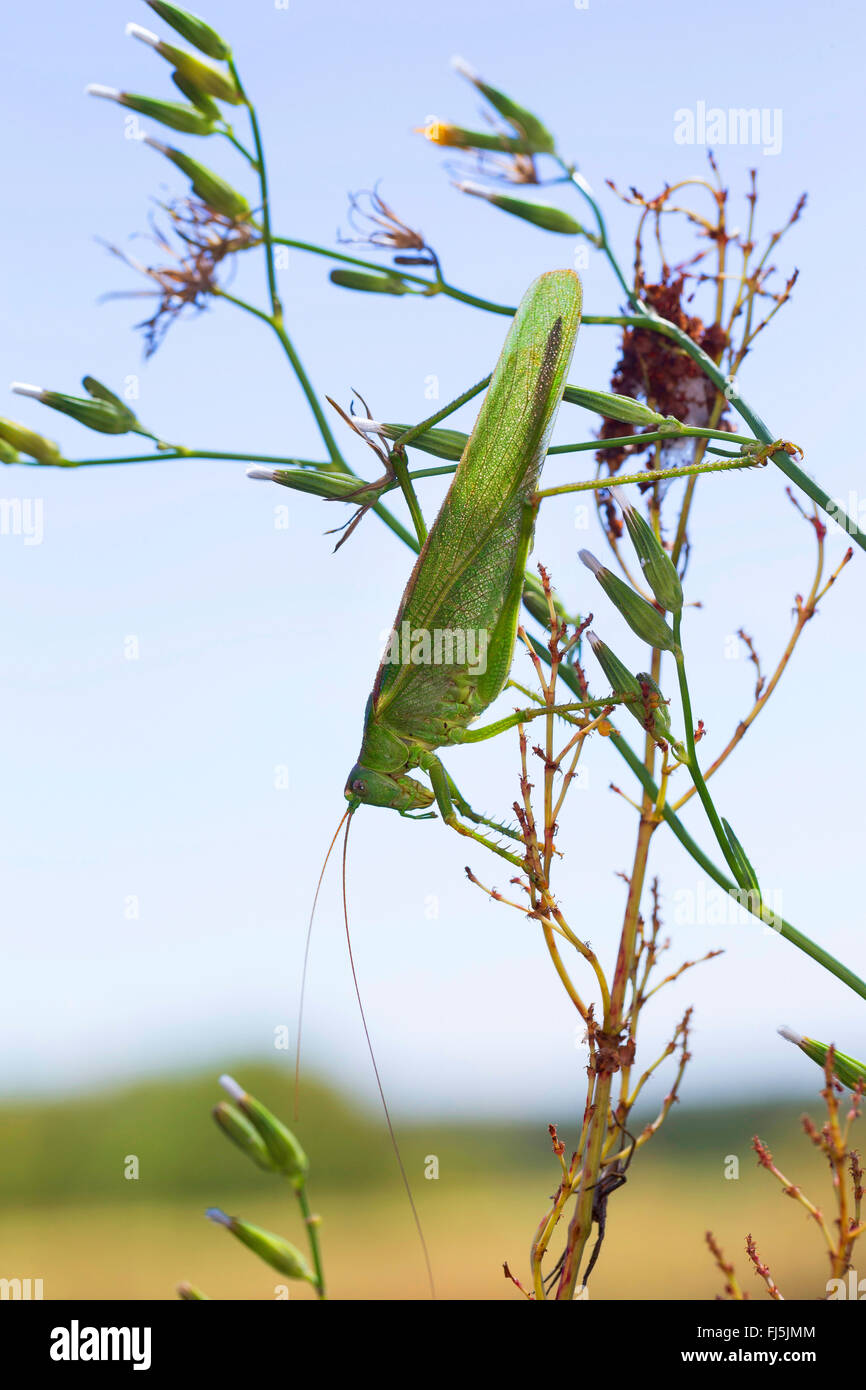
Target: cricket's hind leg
466,810
447,796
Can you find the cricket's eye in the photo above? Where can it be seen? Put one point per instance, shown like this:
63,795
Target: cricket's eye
359,787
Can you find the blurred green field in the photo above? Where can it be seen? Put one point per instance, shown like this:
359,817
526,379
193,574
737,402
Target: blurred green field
69,1216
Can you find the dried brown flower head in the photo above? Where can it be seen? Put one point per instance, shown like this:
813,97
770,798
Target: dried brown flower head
206,238
499,168
377,224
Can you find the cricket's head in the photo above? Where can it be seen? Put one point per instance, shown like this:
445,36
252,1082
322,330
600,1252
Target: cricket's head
365,787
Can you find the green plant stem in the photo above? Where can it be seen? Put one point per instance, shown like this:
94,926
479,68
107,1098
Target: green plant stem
652,437
229,135
432,287
275,318
411,434
179,452
312,1230
404,480
579,182
693,763
262,171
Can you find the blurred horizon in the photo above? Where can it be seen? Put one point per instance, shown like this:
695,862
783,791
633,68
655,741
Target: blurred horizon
72,1216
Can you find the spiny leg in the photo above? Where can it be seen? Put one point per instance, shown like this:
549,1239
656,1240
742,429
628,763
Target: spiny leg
466,810
439,780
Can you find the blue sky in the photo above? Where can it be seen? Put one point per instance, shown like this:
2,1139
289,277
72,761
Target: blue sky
154,779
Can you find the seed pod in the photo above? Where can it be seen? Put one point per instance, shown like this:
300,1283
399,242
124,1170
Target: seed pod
242,1133
193,29
285,1153
659,570
746,876
539,214
459,138
8,454
188,119
280,1254
217,84
641,617
205,104
613,407
622,682
369,284
207,185
529,126
847,1069
29,442
95,414
310,480
444,444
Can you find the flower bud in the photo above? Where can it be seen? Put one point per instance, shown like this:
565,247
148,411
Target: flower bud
529,126
614,407
650,713
285,1152
847,1069
205,104
242,1133
107,416
641,617
202,75
193,29
280,1254
29,442
369,283
659,570
171,113
457,137
191,1294
444,444
207,185
539,214
8,454
320,484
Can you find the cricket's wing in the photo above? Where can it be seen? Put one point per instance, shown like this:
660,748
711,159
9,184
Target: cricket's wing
466,568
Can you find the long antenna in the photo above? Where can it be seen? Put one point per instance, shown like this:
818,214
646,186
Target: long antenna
394,1144
307,957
